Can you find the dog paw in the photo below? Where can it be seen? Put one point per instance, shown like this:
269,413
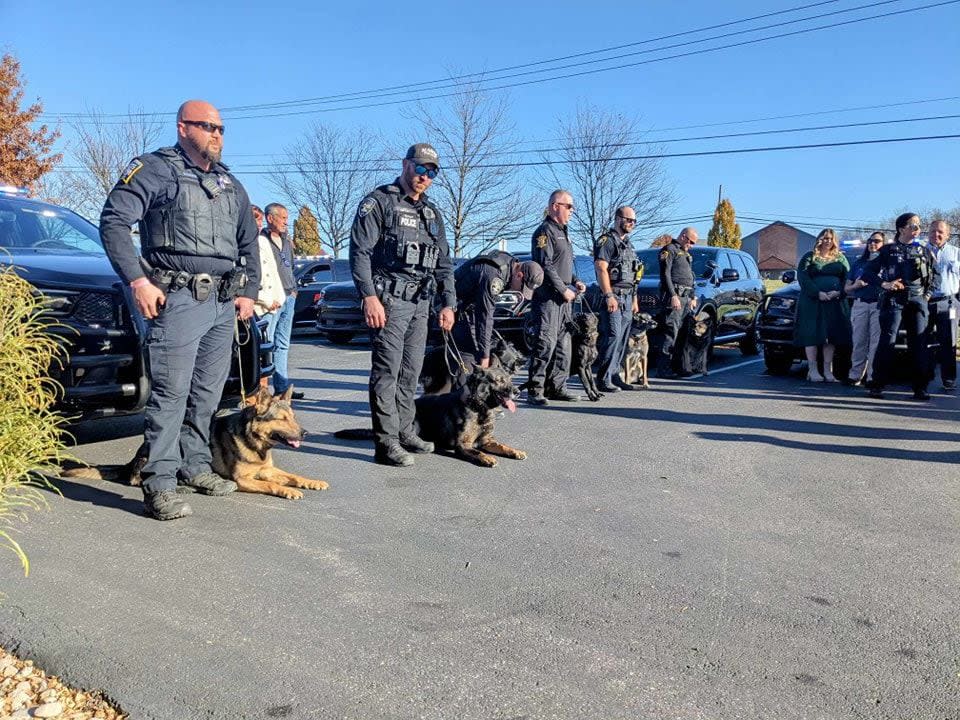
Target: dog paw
316,485
520,455
488,461
290,493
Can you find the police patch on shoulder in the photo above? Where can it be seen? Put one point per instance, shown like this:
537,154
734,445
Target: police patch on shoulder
601,240
130,170
664,254
542,241
428,212
496,286
366,206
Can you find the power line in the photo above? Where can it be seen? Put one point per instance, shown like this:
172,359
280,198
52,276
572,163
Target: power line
615,67
480,74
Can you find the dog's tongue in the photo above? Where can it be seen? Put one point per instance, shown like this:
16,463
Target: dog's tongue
293,443
510,405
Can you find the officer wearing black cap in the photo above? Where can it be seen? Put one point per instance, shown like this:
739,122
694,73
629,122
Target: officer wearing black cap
616,264
907,274
399,258
676,292
551,309
200,269
479,281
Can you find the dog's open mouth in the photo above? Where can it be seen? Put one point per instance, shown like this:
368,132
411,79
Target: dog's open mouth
288,441
508,403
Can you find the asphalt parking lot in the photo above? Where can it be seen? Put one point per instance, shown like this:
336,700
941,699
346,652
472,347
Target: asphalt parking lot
734,546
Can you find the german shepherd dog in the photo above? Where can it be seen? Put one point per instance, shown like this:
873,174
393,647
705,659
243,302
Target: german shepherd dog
462,420
584,336
440,374
694,345
634,370
241,444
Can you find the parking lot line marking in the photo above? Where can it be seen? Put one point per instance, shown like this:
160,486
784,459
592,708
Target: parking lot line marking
728,367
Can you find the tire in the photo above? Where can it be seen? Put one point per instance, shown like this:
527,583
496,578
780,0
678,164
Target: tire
777,362
340,337
748,343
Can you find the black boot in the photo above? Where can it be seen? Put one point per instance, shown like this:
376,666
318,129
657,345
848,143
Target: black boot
416,444
165,505
209,483
393,454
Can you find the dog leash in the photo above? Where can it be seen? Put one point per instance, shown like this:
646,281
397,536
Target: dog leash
451,351
583,299
236,338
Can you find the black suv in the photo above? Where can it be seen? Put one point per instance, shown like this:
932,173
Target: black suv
60,254
728,287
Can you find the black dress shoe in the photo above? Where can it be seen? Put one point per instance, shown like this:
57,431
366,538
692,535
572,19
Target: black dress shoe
921,395
416,444
876,392
949,385
626,386
563,396
537,398
604,388
296,395
393,455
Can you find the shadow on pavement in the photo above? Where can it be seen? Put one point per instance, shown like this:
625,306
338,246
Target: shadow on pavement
80,492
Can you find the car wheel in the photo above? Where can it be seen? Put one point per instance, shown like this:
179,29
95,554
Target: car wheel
778,362
748,343
340,337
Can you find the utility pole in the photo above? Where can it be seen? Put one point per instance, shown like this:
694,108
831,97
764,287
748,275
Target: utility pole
719,194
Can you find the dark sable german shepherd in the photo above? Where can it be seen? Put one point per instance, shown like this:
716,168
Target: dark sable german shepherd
436,374
584,336
241,444
462,420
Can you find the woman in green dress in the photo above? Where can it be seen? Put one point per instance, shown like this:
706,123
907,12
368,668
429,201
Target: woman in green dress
823,318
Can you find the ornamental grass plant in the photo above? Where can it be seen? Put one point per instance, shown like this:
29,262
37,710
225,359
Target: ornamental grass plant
31,432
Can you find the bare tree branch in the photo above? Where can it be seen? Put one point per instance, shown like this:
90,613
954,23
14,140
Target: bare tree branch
329,170
596,168
481,202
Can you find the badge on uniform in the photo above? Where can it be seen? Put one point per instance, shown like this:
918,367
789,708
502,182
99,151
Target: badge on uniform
365,207
428,212
664,254
130,170
542,241
601,240
496,286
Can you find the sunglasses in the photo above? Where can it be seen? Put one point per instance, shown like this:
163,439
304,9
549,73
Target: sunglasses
628,220
913,226
875,240
207,126
424,170
568,206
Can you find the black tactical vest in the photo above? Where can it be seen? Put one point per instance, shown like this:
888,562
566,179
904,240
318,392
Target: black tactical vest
623,272
201,219
499,259
409,233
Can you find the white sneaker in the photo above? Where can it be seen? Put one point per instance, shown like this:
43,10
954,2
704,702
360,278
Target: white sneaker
814,376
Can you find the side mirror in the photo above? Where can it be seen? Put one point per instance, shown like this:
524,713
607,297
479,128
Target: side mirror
789,276
729,275
306,279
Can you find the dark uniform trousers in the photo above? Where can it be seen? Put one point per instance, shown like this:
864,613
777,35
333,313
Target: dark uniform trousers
188,352
465,334
913,314
672,322
396,361
614,333
945,331
550,360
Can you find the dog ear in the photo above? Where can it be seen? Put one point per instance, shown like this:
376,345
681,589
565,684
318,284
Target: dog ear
287,394
261,400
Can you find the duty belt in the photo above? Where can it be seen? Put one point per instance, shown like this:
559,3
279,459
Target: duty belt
683,289
405,289
200,284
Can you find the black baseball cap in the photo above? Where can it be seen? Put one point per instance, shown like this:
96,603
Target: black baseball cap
532,278
423,154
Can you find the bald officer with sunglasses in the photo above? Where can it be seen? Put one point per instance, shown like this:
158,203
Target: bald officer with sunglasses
399,259
200,268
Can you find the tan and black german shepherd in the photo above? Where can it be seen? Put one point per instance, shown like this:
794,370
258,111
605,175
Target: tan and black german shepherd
241,444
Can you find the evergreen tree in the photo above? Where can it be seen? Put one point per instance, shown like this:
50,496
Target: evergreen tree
725,231
24,152
306,234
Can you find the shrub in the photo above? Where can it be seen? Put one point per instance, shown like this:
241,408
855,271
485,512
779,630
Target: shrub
30,430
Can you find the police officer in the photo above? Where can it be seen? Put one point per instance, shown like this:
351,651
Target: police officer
944,306
906,273
551,309
398,254
676,292
196,225
616,264
478,282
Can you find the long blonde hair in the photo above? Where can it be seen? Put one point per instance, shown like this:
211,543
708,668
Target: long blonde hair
833,253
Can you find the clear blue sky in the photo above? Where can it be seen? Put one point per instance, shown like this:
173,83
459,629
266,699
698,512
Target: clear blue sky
112,56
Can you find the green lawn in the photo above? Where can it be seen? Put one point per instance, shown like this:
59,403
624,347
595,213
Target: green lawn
771,285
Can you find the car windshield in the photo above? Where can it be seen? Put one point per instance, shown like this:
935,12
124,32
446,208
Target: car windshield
32,227
651,262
